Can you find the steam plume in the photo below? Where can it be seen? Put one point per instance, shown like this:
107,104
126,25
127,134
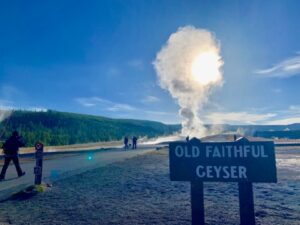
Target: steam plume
4,113
187,80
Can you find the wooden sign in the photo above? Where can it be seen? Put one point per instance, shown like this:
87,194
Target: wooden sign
241,161
223,161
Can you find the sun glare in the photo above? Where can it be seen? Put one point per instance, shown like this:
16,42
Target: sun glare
205,68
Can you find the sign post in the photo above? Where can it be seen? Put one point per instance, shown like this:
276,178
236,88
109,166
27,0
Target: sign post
197,200
38,169
247,216
240,161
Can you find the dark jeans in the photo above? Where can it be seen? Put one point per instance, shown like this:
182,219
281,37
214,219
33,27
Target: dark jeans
7,160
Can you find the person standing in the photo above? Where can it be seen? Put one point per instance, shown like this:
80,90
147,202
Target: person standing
134,142
11,149
187,138
126,143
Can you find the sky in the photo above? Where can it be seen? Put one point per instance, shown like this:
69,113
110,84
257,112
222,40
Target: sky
96,57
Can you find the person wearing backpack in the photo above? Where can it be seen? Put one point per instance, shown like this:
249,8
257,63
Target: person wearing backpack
11,149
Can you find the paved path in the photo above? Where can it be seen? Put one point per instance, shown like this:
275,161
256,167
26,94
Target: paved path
60,166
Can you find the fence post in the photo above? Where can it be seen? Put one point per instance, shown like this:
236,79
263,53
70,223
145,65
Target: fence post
38,169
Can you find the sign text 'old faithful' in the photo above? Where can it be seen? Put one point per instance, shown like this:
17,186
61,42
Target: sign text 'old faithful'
223,161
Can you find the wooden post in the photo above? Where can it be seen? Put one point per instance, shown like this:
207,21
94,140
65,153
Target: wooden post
247,216
197,200
38,169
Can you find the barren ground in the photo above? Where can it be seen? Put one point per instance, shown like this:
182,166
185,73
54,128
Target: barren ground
139,191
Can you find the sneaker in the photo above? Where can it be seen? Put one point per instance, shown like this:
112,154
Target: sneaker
22,174
1,179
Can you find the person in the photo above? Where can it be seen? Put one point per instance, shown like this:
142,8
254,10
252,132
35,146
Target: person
134,141
126,143
11,149
187,138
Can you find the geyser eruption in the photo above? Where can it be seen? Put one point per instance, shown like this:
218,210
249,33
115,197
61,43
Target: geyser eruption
189,66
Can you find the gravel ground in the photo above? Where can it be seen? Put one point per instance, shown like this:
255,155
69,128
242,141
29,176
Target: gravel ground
139,191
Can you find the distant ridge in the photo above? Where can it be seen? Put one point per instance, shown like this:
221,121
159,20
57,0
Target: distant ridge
63,128
254,128
290,131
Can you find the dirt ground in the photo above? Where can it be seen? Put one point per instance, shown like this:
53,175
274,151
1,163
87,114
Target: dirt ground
139,191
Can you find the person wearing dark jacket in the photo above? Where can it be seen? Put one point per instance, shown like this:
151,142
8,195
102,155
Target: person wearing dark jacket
134,142
126,143
11,149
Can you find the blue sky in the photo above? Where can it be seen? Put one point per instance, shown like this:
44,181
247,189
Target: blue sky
95,57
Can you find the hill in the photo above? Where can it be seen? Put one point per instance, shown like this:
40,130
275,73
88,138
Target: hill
286,134
251,129
290,131
61,128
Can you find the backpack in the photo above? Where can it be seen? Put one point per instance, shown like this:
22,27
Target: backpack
10,146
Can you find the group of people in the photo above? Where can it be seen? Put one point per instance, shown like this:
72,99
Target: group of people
15,141
134,142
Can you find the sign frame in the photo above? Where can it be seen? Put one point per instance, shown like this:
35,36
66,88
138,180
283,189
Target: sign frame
223,161
245,186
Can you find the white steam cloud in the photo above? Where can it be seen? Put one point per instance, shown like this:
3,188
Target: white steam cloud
4,113
189,66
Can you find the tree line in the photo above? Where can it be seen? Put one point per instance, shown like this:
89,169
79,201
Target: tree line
61,128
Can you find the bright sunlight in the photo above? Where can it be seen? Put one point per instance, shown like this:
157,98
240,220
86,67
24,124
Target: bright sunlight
205,68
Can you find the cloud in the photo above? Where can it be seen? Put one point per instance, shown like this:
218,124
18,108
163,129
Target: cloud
238,117
294,109
116,107
285,121
286,68
159,113
150,99
252,116
88,102
288,116
276,117
136,64
121,110
165,117
4,113
37,109
10,97
8,91
6,104
103,103
142,114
